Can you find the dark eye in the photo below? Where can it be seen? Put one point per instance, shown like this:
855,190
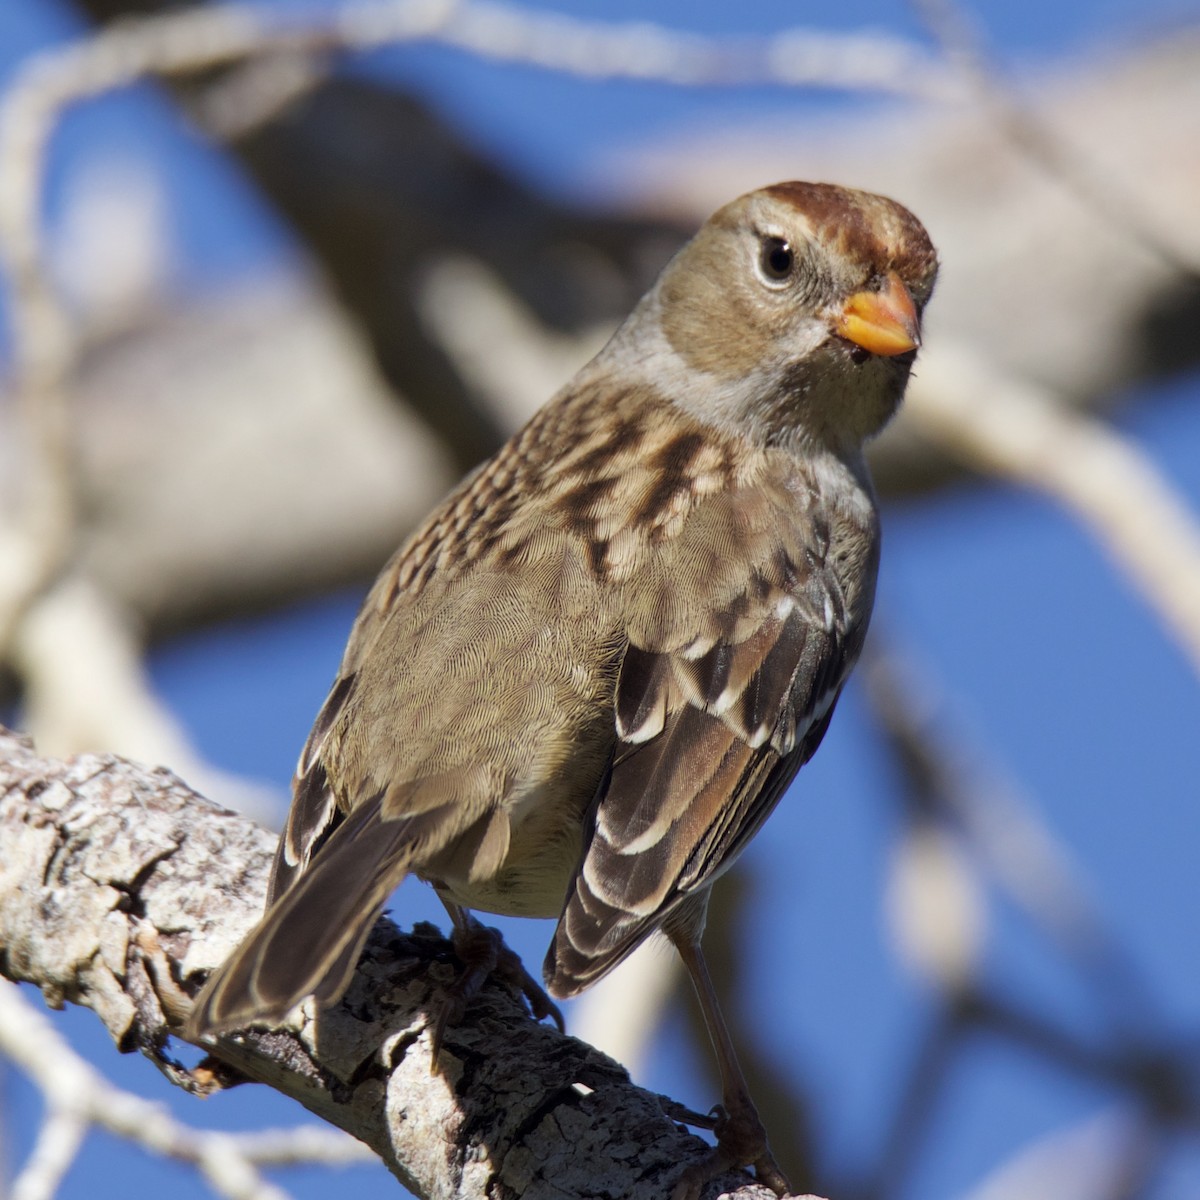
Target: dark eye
777,258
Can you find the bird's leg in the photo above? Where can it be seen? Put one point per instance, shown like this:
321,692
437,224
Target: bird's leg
741,1138
483,954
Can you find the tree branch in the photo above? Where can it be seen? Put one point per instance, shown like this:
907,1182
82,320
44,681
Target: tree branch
122,887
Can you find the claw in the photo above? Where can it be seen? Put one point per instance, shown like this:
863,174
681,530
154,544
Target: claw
482,951
511,969
691,1184
741,1141
682,1115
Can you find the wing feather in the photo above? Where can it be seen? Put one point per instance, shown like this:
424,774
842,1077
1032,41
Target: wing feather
713,721
310,938
314,813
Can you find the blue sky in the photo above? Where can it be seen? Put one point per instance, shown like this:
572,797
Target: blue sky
1043,652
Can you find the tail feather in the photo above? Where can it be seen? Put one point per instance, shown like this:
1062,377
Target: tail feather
311,937
591,939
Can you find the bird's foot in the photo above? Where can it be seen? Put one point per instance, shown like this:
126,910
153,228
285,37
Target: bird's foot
481,950
741,1142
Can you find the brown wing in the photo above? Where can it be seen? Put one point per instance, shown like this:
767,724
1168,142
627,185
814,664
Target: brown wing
711,729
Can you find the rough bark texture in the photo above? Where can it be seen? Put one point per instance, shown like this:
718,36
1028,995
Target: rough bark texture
120,888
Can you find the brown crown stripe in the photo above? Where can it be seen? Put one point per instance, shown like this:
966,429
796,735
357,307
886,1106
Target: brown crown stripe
852,226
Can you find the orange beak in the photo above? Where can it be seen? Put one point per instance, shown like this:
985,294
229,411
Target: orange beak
883,322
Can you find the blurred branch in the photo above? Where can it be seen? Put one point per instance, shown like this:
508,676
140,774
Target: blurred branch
78,1097
622,1013
1163,1076
935,1054
1002,425
950,789
1160,1080
44,348
1102,1158
500,347
80,656
1104,192
554,41
110,901
216,36
951,786
645,51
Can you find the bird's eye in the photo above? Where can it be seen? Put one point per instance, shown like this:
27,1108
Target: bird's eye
777,259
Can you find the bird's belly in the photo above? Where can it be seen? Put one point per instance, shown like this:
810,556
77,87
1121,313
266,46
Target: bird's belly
545,844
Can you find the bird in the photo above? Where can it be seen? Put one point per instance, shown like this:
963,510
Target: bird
585,681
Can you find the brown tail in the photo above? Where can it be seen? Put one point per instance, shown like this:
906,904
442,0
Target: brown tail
310,939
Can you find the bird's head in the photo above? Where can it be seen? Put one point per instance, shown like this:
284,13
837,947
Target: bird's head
794,314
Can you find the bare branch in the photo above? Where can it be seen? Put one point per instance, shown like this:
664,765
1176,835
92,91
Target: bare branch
122,887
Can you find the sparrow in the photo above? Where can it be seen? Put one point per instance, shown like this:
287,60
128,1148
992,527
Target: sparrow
582,685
